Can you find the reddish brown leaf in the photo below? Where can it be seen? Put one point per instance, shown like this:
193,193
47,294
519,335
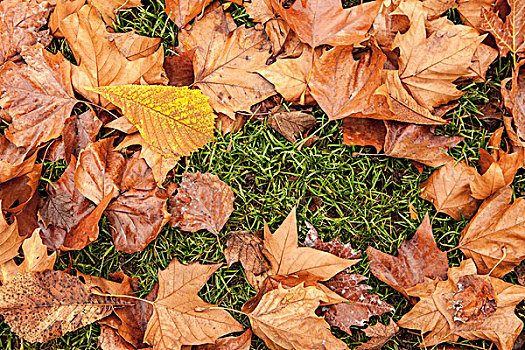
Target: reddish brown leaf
110,339
20,189
12,160
325,22
79,131
183,11
509,31
364,132
334,247
203,202
241,342
247,248
419,258
474,301
179,68
292,125
379,335
513,99
10,240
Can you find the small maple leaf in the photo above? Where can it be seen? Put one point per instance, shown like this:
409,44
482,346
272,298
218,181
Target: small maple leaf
184,116
180,317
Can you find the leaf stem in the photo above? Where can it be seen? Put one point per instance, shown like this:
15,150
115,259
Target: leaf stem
121,296
202,309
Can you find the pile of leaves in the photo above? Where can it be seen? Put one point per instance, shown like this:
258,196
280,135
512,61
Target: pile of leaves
121,116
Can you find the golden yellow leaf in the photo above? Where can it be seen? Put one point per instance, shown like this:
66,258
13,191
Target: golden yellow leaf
174,121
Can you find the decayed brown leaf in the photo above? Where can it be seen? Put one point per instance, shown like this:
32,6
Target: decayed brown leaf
419,258
183,11
36,258
495,234
280,248
448,188
292,125
179,69
334,247
441,58
286,319
247,248
40,306
180,317
419,143
203,202
509,32
364,132
242,342
78,132
109,339
226,59
325,22
513,99
10,240
343,86
101,61
38,97
379,335
442,309
137,211
20,26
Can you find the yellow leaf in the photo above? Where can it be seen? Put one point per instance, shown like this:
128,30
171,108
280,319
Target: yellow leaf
174,121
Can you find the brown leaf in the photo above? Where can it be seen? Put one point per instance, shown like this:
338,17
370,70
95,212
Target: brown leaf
192,321
334,247
179,68
20,190
343,86
241,342
68,220
53,301
247,248
364,132
437,314
285,318
10,240
12,160
513,99
419,258
442,57
225,62
35,259
474,301
292,125
110,339
79,131
203,202
20,26
325,22
38,97
280,248
448,188
101,61
379,335
482,59
470,10
490,182
509,31
181,12
109,8
133,46
63,9
360,305
290,76
419,143
494,235
388,22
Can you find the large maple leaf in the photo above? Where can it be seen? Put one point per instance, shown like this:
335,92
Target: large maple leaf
226,59
174,121
180,316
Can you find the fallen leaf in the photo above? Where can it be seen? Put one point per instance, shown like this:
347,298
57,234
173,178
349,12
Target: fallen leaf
192,321
490,182
435,312
494,235
63,9
109,8
13,161
179,68
343,86
379,335
225,62
441,58
79,131
448,188
54,301
20,26
36,259
509,31
322,22
101,61
109,339
37,96
280,248
181,12
292,125
286,319
474,301
68,220
419,258
388,23
513,100
247,248
419,143
242,342
17,192
10,240
133,46
470,10
334,247
203,202
364,132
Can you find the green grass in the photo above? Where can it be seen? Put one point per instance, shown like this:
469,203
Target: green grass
365,200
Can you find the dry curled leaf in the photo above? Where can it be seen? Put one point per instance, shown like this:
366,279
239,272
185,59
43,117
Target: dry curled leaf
419,258
439,308
247,248
286,319
203,202
292,125
179,68
379,335
40,306
180,316
448,188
